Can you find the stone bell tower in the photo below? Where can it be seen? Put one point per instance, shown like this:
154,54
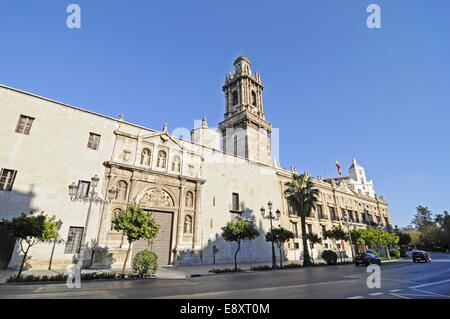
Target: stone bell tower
245,131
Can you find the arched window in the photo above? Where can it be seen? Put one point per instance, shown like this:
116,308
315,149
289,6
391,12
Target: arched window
145,157
162,159
188,224
253,98
114,214
121,191
235,98
189,199
176,163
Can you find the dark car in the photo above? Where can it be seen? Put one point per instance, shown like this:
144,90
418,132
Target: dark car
366,259
418,255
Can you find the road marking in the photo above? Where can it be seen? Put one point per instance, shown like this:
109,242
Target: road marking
395,290
397,295
376,293
430,284
356,297
429,292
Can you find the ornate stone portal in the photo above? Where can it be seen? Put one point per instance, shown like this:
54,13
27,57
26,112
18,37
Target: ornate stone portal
156,197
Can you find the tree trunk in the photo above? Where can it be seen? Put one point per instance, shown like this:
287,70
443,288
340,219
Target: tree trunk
23,262
235,256
306,258
126,258
281,257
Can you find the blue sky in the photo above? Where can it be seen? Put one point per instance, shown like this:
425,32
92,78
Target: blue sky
335,88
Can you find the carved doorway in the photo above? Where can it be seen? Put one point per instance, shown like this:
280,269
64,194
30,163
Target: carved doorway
161,245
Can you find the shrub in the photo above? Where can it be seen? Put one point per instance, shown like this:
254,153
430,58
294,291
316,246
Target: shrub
145,262
292,266
218,271
258,268
372,251
394,253
330,257
95,275
37,278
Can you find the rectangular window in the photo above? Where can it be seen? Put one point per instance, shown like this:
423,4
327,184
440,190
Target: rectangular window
324,228
235,202
356,217
325,245
296,246
289,207
7,179
24,125
94,141
332,213
320,212
309,229
73,243
295,230
83,189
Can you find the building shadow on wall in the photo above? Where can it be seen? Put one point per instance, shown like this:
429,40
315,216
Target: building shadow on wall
220,252
98,256
12,204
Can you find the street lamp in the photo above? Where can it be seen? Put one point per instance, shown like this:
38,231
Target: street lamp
271,217
91,197
346,220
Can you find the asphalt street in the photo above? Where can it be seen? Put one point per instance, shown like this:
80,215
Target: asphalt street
399,280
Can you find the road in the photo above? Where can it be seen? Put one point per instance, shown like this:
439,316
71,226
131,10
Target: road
399,280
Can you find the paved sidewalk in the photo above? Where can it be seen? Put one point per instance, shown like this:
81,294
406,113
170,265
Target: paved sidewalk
164,272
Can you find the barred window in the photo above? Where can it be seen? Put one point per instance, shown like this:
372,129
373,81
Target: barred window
235,202
7,178
94,141
73,243
24,125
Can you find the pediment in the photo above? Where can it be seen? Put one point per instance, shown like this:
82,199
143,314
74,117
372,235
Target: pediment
162,138
345,189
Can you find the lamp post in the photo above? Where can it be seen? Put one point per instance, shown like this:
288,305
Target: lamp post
91,197
271,217
346,220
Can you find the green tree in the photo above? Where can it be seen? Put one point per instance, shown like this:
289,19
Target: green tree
303,197
279,236
443,223
336,234
237,231
313,240
31,230
422,218
415,237
135,224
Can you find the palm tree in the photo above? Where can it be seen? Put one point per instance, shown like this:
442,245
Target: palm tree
302,196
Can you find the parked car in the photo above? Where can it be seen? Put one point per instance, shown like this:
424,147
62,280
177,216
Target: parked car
367,259
418,255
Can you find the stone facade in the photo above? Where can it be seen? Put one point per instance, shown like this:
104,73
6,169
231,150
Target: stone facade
189,186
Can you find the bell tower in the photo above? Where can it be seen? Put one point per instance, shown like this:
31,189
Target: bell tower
245,131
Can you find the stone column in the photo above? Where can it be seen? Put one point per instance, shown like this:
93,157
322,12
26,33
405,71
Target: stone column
197,214
101,235
180,222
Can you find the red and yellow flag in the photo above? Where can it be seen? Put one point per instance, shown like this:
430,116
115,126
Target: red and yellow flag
338,167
